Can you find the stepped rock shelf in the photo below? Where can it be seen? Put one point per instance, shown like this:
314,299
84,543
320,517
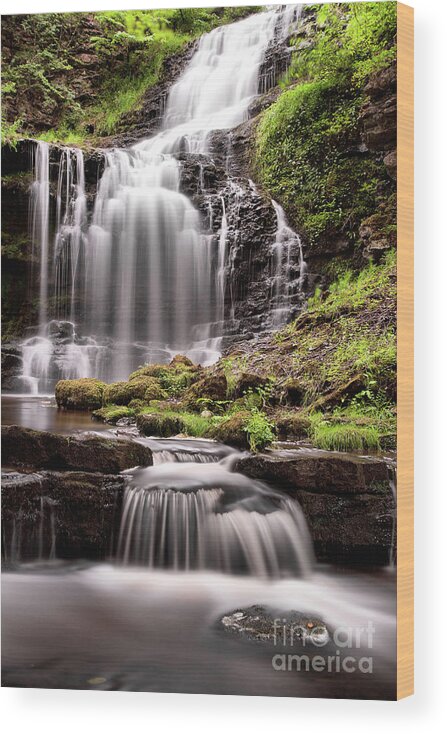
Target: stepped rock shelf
206,229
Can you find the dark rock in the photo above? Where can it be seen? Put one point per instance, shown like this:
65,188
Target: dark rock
347,501
378,115
22,447
317,471
294,392
68,515
257,624
248,381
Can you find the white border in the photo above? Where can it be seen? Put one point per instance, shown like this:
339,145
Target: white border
46,711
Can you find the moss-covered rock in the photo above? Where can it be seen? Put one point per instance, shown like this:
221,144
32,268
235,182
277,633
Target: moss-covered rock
293,425
249,381
113,413
232,430
159,424
212,386
181,361
148,370
143,388
83,394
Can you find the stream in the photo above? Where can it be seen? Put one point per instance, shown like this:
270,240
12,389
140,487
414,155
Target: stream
150,620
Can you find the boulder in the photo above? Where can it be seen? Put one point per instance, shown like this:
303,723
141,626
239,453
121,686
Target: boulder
213,386
157,424
83,394
68,515
317,471
23,447
142,388
293,425
232,430
347,500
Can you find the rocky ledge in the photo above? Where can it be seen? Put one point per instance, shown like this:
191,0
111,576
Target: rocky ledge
348,501
28,449
64,515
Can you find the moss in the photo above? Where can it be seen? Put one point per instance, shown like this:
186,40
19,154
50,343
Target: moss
83,394
293,425
159,424
181,361
148,370
307,145
212,386
174,378
248,381
232,430
143,388
113,413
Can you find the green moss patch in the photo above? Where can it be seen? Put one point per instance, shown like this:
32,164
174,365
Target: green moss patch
83,394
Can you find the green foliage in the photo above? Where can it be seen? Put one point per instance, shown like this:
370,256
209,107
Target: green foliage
304,138
260,430
353,40
66,72
345,437
354,292
113,413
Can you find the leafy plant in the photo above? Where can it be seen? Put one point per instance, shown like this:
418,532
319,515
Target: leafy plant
260,430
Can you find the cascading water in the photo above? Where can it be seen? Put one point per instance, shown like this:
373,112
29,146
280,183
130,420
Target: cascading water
196,515
143,280
286,241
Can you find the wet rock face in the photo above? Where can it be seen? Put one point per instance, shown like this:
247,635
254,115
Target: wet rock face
347,501
25,448
70,515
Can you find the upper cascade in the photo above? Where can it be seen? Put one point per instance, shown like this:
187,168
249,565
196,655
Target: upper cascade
142,281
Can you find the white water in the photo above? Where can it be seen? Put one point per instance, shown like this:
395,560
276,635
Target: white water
190,515
286,241
142,280
40,219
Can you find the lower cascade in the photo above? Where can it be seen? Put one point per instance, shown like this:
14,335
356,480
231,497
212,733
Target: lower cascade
196,516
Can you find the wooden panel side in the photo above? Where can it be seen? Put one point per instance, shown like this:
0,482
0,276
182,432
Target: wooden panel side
405,352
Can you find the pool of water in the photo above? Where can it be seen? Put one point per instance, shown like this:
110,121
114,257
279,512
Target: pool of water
42,414
112,628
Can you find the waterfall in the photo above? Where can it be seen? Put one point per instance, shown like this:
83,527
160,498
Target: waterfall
197,516
143,280
286,240
40,207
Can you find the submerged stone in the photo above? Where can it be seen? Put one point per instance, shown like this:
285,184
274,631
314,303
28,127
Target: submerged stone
281,629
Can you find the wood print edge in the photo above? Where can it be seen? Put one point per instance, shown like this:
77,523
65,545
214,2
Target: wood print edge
405,352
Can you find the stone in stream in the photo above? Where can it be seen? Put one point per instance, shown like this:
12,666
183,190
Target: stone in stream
25,448
281,629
